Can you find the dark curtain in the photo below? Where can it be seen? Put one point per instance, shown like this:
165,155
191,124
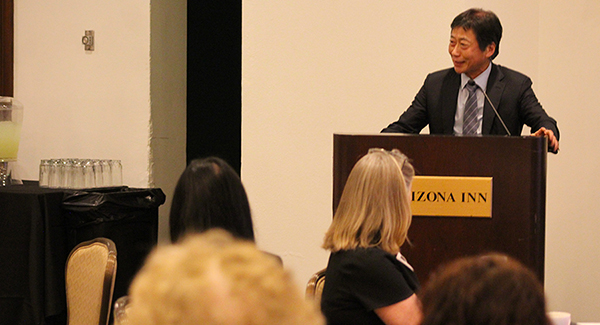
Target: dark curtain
6,47
214,80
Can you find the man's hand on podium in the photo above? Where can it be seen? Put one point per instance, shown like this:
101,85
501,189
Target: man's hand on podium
552,141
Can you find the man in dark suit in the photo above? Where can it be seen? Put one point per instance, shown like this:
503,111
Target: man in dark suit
449,106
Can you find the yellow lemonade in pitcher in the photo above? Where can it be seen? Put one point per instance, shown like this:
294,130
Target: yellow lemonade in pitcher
9,140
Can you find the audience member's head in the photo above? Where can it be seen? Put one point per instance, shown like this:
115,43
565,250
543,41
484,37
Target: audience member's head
488,289
212,278
210,194
374,209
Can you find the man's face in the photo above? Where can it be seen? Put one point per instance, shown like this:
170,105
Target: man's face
466,55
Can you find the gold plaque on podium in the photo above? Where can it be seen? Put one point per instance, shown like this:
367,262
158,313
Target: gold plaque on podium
447,196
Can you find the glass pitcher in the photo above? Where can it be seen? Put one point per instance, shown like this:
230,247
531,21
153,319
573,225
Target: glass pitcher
11,120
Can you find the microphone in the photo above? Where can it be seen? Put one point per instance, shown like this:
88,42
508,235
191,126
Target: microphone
496,112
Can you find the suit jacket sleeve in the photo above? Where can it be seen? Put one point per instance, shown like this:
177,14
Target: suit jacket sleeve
532,113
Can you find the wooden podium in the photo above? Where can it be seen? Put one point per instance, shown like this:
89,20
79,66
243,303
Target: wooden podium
517,166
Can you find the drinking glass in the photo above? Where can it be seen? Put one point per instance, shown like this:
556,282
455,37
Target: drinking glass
44,172
54,173
89,180
98,174
66,173
77,180
117,172
106,173
120,310
560,317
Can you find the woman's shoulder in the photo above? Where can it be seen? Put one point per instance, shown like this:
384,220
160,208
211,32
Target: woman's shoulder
371,265
365,252
362,257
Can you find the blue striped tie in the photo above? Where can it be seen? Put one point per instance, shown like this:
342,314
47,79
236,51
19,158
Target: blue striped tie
470,123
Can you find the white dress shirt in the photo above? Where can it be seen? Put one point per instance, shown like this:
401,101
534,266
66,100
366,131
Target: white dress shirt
463,94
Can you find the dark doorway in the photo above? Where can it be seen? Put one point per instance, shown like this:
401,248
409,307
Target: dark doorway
214,80
6,47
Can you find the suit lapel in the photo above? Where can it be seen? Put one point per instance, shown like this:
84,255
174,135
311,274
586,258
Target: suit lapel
449,98
495,87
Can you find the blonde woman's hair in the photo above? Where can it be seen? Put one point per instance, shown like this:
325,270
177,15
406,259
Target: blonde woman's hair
374,209
214,279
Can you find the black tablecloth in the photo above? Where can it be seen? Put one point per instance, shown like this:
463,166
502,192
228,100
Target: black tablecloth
40,226
33,252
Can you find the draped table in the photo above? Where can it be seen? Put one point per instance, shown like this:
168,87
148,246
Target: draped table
40,226
33,253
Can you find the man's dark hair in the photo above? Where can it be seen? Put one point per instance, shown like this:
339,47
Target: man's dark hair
210,194
485,24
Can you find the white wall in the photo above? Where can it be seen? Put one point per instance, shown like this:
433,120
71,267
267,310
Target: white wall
125,100
314,68
78,104
567,82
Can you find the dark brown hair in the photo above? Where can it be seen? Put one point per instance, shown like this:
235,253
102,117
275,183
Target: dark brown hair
489,289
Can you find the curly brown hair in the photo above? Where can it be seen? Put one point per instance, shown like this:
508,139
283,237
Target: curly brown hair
488,289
